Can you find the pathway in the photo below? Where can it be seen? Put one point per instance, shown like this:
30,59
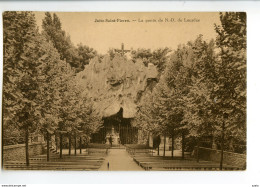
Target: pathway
119,160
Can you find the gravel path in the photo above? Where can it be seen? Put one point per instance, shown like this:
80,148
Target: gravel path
119,160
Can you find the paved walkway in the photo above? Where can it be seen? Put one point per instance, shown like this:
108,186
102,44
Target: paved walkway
119,160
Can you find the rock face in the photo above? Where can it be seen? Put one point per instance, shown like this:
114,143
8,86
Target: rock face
115,84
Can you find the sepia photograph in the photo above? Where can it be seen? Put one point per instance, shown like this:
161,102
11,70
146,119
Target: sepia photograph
124,91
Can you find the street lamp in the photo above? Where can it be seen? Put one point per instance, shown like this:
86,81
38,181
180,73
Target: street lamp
225,117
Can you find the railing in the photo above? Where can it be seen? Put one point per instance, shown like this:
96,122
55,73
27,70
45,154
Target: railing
136,149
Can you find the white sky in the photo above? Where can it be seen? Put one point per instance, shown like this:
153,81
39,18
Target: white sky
101,36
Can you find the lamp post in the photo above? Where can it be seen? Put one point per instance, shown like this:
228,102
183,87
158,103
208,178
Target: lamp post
225,117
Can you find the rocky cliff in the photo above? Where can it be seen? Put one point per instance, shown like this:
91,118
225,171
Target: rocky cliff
115,84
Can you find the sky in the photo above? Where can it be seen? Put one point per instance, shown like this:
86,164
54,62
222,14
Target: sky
101,36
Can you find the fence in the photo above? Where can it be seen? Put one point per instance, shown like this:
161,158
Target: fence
230,158
17,152
21,139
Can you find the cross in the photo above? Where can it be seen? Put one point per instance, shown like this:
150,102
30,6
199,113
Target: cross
122,50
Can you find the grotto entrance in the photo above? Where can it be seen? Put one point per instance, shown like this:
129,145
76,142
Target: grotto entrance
118,128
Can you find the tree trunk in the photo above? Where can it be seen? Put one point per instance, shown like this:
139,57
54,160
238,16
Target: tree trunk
119,130
172,144
69,144
75,144
231,146
60,145
183,144
48,145
222,146
164,142
213,146
80,143
148,142
198,148
56,142
127,134
27,145
159,146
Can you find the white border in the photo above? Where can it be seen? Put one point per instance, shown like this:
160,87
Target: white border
246,178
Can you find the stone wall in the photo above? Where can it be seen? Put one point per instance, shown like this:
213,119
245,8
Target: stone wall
230,158
17,152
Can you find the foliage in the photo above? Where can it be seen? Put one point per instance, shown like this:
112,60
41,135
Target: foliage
157,57
200,84
85,54
40,89
77,113
111,53
53,32
200,115
77,57
157,112
143,119
231,90
20,69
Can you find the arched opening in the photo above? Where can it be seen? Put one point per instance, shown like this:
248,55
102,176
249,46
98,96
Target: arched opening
117,127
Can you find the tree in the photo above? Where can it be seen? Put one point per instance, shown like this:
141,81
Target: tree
85,54
144,54
40,91
178,79
200,115
189,77
78,56
50,72
111,52
157,113
231,90
158,57
21,60
13,44
76,114
145,118
52,29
